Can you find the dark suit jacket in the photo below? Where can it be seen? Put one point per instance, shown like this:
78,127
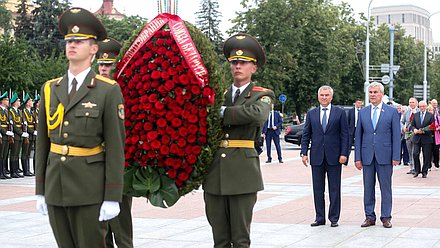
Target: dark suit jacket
415,123
382,143
331,143
278,122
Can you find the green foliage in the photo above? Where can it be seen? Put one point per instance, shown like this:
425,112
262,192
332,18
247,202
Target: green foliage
23,24
5,17
208,21
122,30
46,37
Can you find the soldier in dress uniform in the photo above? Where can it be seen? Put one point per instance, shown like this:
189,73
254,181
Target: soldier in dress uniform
35,110
234,177
121,227
80,159
28,127
5,133
19,135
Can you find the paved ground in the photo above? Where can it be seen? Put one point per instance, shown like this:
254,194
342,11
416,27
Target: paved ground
282,215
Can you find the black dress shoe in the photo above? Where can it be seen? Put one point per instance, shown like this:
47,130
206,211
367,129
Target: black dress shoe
410,172
368,222
416,174
423,175
268,161
281,161
334,224
317,223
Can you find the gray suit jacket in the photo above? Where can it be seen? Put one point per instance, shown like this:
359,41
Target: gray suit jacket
405,121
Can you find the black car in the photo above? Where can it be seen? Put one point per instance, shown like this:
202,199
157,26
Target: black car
294,134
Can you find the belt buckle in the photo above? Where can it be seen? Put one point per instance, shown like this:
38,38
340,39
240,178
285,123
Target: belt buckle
64,150
224,143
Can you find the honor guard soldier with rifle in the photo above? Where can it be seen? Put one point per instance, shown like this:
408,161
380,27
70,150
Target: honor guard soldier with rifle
28,127
5,135
120,227
80,142
19,136
234,177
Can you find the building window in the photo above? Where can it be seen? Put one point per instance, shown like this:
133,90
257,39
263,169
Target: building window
377,20
389,19
403,18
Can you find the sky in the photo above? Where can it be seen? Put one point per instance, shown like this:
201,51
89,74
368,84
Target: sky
187,8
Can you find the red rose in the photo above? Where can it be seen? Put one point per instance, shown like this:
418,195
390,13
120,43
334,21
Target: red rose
172,173
175,60
183,132
191,159
203,130
172,71
203,112
155,75
183,79
165,139
152,135
162,90
169,85
155,144
164,150
161,122
196,150
161,50
160,42
152,66
192,129
151,154
183,176
152,98
158,105
176,122
155,84
202,140
191,138
146,146
165,65
174,149
178,91
195,90
169,42
181,142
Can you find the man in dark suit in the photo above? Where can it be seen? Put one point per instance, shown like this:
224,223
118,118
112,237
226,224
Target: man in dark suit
272,130
422,139
377,149
234,177
352,120
327,129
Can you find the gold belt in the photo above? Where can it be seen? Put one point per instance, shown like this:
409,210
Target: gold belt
237,144
75,151
18,125
30,125
4,125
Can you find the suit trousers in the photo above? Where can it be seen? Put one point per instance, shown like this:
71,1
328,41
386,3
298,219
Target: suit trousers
121,227
384,175
77,227
427,156
334,185
271,135
230,217
435,154
410,147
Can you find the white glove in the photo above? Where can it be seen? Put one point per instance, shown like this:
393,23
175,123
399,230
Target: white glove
109,210
25,135
10,133
222,111
41,204
35,133
1,135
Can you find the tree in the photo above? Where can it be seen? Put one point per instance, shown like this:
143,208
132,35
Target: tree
46,37
122,30
23,24
208,21
5,17
302,53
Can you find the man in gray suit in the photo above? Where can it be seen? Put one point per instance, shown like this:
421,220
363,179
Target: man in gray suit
406,128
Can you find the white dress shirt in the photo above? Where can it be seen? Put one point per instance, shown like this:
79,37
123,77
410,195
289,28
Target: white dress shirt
79,78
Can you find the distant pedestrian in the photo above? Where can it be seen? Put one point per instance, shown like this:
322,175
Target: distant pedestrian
272,130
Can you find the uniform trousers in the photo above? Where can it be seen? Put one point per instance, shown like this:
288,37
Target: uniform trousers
230,217
77,227
121,227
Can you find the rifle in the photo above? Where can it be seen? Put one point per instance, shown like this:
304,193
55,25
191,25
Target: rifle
24,127
10,138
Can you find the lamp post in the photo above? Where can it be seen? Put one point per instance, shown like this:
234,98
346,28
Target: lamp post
425,81
367,57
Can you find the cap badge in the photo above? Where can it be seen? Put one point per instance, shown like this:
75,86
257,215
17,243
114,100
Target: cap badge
240,37
75,11
105,55
239,52
75,29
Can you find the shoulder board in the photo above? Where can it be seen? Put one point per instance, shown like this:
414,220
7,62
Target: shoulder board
261,89
105,80
54,80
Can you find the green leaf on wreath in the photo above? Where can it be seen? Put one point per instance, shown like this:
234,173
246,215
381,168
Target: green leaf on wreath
128,181
146,181
168,194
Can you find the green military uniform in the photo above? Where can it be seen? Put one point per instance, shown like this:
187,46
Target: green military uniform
27,144
120,227
17,127
235,176
35,110
80,145
4,146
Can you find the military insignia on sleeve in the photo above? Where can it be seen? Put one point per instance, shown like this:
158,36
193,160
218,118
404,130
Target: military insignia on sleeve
121,112
266,99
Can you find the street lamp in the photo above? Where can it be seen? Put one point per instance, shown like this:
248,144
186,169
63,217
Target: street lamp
425,82
367,56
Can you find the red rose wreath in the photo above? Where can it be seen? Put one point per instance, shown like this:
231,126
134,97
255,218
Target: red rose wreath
171,118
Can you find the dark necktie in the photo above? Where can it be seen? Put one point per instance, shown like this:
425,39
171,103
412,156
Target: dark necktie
73,90
237,94
324,119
